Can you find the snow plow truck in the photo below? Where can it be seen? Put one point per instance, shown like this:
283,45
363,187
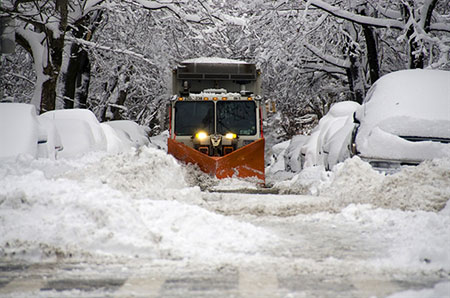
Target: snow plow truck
215,117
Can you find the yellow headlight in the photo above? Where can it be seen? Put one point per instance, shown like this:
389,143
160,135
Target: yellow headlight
201,135
230,136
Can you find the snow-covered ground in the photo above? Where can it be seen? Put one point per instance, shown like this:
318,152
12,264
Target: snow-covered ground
142,204
119,198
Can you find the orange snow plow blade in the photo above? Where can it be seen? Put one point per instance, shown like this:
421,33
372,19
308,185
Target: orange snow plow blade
247,161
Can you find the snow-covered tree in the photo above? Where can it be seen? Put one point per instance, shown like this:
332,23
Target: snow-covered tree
41,28
421,27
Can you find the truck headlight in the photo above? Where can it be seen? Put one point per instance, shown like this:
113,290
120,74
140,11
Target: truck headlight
230,136
201,135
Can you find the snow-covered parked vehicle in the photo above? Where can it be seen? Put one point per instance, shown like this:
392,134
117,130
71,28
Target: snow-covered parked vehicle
20,132
23,132
404,119
53,145
130,132
327,138
65,119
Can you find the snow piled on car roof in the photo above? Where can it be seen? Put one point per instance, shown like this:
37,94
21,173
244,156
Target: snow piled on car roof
417,93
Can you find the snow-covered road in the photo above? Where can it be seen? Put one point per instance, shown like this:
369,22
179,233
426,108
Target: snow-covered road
137,224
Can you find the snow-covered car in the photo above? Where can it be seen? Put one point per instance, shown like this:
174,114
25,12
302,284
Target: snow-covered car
130,130
53,145
77,115
292,155
20,130
322,140
116,143
76,137
404,119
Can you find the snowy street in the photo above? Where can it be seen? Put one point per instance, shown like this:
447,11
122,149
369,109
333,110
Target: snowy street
225,149
134,224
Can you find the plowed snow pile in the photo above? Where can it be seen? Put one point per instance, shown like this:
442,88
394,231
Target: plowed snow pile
408,210
425,187
129,205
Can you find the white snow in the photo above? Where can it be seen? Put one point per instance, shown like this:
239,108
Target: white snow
323,142
412,103
215,60
54,144
63,133
135,132
409,210
76,137
292,153
127,203
85,115
19,130
114,143
130,205
440,290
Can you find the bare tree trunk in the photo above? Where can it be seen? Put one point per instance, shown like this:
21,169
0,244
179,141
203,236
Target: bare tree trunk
70,76
76,76
54,59
372,53
355,81
83,81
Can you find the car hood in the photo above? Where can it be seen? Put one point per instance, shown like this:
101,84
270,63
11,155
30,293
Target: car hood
415,127
405,139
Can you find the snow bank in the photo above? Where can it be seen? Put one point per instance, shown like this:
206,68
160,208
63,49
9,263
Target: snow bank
146,172
425,187
415,239
440,290
409,210
305,182
131,205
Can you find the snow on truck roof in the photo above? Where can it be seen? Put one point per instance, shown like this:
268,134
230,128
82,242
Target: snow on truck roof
215,60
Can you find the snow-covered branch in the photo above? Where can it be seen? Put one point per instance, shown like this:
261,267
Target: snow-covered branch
341,63
324,68
91,44
391,22
355,18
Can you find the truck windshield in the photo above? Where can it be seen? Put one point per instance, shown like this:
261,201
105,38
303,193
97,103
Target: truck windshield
192,116
238,117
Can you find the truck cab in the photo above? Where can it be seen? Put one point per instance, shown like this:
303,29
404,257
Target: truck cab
216,107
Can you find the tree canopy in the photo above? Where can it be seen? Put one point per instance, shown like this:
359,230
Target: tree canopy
115,57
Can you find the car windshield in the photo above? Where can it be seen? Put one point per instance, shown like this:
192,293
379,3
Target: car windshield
238,117
192,116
